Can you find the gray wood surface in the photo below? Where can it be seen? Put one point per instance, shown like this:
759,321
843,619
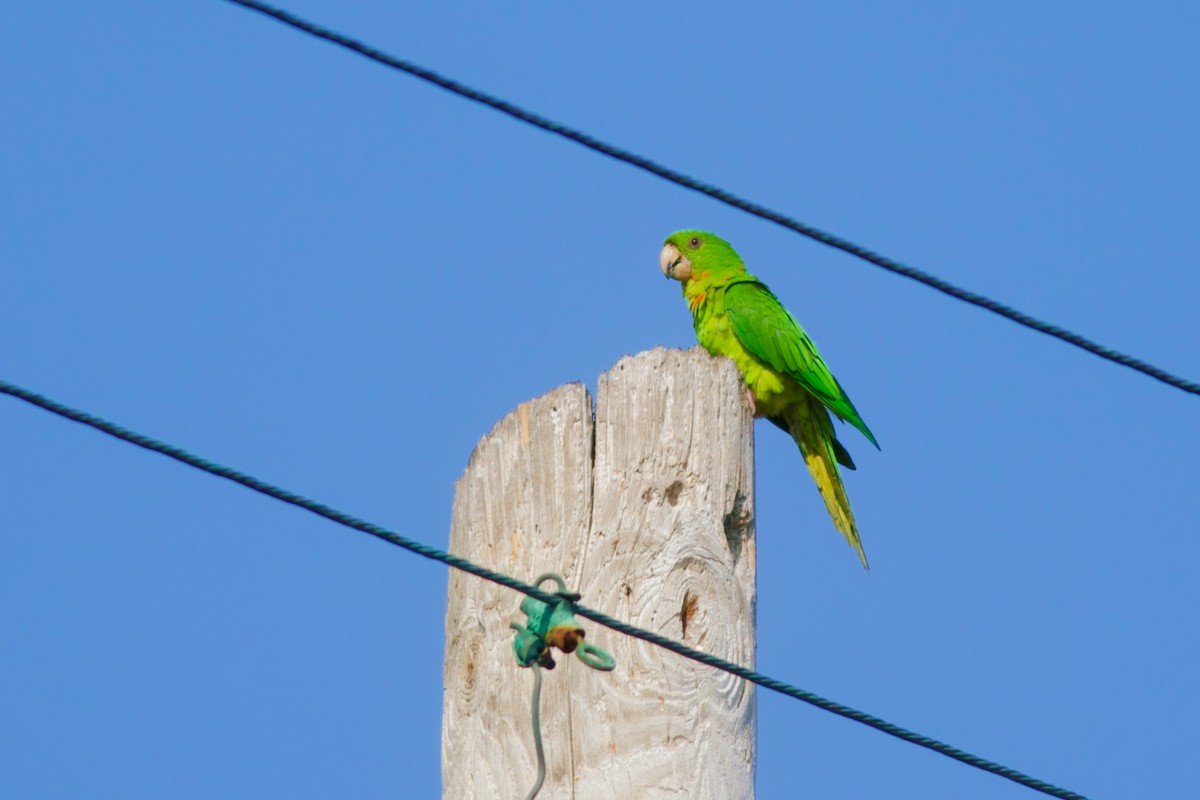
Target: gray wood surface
648,512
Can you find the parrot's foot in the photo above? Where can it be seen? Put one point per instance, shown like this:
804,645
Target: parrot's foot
751,402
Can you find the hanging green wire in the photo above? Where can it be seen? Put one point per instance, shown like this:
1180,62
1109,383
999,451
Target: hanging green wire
537,733
550,625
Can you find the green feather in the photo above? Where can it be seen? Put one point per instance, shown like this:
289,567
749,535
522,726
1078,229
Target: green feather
766,329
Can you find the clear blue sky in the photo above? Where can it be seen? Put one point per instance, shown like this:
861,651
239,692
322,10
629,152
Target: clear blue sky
225,234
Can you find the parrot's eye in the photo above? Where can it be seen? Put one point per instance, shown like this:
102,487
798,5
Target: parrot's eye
694,242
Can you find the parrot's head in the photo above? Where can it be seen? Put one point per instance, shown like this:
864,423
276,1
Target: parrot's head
688,254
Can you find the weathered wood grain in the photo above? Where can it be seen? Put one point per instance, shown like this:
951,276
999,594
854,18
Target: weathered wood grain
653,524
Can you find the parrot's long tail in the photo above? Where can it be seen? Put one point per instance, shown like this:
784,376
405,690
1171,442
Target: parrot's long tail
812,429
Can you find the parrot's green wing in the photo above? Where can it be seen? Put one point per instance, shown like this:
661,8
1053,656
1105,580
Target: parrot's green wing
766,329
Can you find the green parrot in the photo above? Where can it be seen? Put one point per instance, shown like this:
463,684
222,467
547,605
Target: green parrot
736,315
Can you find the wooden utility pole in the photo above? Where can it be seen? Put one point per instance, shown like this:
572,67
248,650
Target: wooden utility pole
648,511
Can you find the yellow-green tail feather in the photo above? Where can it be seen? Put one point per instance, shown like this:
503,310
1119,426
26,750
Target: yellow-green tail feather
810,426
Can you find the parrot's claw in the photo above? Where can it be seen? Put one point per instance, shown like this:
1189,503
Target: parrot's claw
751,402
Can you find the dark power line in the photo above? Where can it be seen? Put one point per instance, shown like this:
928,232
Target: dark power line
717,193
391,537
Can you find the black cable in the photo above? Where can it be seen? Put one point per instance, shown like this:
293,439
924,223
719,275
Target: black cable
723,196
342,518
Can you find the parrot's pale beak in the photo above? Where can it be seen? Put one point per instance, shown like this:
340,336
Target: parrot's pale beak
674,264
